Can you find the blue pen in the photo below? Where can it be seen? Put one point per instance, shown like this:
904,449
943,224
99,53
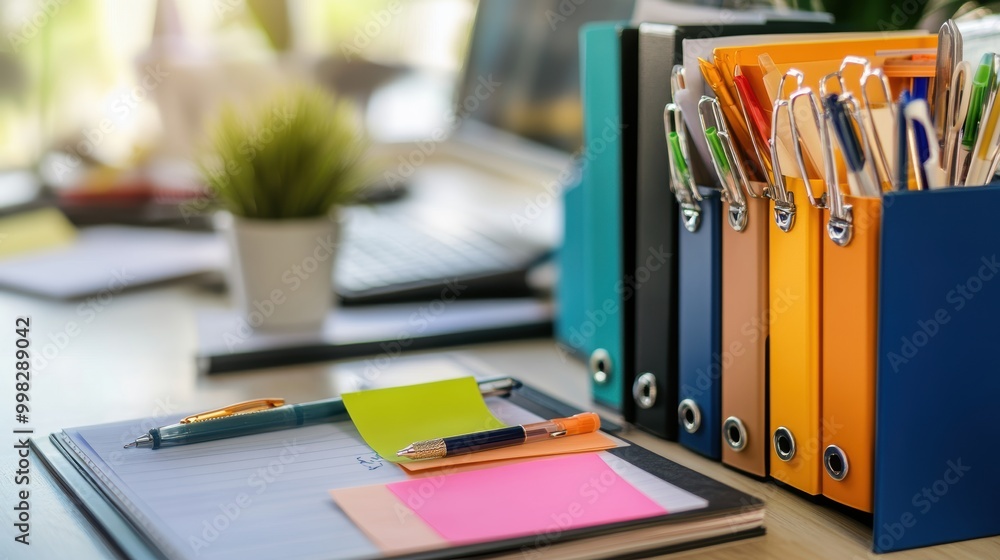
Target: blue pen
921,89
850,145
902,175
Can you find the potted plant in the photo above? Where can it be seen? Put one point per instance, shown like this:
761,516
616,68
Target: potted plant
279,170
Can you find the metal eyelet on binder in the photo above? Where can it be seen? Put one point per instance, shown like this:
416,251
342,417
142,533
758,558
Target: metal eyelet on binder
689,415
600,366
835,461
784,444
644,390
735,433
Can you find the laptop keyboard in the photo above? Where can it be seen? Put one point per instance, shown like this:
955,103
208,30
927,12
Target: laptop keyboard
397,255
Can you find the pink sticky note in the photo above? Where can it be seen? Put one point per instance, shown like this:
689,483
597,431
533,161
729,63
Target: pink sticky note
538,497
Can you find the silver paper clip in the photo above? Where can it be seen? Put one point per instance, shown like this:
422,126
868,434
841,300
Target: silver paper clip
784,201
682,183
717,136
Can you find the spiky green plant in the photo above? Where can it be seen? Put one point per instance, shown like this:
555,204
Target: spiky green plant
294,156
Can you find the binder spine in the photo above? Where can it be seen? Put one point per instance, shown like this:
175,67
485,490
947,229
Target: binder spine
745,329
850,291
795,291
601,183
656,293
699,330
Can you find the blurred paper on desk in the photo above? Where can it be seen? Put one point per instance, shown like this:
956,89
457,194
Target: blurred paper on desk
112,259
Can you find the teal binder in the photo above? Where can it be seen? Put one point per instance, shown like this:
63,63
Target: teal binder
602,324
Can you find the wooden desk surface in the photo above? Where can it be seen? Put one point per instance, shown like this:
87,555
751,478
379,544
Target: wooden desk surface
132,357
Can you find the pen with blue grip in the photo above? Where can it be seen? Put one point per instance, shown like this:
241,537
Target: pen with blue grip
902,169
267,415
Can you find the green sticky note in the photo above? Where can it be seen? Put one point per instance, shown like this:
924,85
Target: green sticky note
390,419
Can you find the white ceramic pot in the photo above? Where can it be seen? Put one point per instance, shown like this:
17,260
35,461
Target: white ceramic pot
281,270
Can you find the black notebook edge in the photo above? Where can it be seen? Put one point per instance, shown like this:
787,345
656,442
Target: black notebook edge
114,524
209,364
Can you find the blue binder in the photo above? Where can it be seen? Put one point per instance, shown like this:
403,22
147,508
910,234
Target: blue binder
936,456
700,329
602,324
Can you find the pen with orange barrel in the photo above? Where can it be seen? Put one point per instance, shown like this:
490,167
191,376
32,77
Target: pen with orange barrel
583,423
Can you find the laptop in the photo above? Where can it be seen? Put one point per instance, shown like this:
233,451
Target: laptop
483,206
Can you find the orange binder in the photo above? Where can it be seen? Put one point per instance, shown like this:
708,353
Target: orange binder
850,337
795,295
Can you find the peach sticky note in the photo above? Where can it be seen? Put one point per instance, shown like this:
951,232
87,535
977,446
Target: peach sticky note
523,499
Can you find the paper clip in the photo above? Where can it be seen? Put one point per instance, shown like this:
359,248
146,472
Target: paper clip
958,107
724,161
829,167
885,172
784,201
681,182
949,54
245,407
839,226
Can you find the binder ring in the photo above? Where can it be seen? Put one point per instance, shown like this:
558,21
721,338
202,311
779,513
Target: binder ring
735,433
689,415
644,390
784,444
600,366
835,461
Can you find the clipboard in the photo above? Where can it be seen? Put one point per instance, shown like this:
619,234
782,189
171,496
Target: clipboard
137,537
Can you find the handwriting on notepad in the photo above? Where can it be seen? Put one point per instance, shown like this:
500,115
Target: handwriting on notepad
371,461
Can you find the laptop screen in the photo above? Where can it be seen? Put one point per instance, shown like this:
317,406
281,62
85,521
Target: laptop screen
522,74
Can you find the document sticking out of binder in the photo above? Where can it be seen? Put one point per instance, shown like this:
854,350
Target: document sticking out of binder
873,294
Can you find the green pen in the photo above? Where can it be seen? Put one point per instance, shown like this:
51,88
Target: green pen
678,156
718,152
268,415
982,83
